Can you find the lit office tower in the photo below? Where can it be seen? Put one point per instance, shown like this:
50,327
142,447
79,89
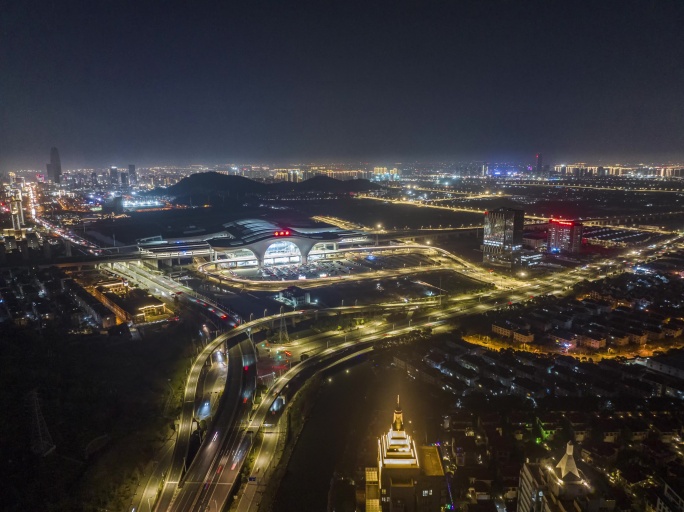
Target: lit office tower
54,168
132,176
564,236
408,478
502,240
114,176
93,178
539,164
17,213
124,179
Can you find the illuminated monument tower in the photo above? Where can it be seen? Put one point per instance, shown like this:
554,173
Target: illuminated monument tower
408,478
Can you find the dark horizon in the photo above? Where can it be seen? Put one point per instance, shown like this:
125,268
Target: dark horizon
387,82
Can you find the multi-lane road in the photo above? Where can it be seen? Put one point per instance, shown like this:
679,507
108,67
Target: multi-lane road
215,469
208,483
218,462
246,357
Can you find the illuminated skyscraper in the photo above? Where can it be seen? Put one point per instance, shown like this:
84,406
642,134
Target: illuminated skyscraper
564,236
16,213
54,168
132,176
114,176
502,239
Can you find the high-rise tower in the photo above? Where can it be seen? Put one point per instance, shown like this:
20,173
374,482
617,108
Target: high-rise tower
539,164
502,241
54,168
132,176
564,236
114,176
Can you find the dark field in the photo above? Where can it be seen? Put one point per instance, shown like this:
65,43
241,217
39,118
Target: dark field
411,287
370,213
89,387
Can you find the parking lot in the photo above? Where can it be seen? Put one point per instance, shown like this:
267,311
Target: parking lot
620,237
317,269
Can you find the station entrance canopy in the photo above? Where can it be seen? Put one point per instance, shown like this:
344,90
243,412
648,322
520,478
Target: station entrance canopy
273,244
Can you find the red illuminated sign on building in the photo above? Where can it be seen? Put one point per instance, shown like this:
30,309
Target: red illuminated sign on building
563,222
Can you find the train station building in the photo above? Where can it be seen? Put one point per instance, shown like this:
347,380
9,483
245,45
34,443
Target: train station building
264,243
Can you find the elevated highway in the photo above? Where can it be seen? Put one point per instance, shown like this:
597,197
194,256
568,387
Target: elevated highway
238,389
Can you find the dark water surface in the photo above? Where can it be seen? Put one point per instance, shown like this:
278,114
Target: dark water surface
352,410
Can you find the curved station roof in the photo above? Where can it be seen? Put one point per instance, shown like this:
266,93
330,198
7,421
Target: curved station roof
245,232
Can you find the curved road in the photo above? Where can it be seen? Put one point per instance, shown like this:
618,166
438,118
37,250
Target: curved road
174,478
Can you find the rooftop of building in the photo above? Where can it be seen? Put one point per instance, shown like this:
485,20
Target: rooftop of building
251,230
135,301
430,461
675,360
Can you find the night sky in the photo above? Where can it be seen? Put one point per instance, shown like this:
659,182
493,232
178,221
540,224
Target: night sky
116,82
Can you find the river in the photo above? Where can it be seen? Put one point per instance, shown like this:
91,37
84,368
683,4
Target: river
353,408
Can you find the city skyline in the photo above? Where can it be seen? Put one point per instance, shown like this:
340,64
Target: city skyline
470,298
234,234
388,82
528,163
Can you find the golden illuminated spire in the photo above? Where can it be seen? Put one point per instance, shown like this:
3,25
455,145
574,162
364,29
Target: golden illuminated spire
398,420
